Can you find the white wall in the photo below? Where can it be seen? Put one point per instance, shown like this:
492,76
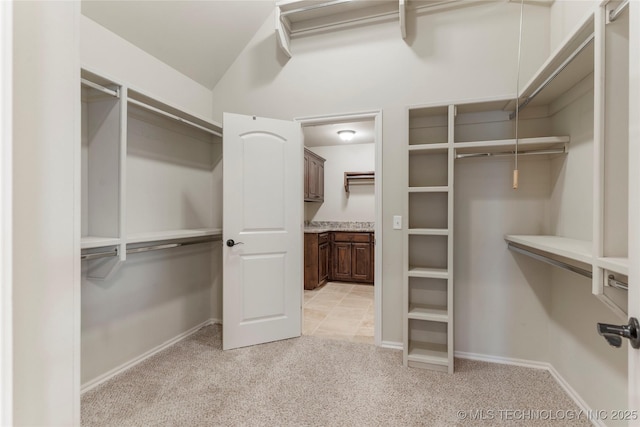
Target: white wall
469,52
46,252
110,55
6,230
360,203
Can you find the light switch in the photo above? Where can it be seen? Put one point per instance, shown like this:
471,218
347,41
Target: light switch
397,222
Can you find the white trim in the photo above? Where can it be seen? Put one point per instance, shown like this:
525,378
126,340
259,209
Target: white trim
139,359
6,282
392,345
533,364
376,115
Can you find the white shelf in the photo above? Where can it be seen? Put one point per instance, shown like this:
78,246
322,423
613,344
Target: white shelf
541,143
616,265
578,250
575,71
154,236
428,232
428,312
429,273
91,242
425,352
436,189
429,148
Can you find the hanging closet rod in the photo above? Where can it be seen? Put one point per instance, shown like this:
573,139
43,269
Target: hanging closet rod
611,281
555,74
172,116
115,93
613,15
511,153
97,255
554,262
140,249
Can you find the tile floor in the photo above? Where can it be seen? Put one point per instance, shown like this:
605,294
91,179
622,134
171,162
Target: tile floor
342,311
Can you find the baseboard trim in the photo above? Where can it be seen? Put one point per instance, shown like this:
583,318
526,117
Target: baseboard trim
573,394
391,344
133,362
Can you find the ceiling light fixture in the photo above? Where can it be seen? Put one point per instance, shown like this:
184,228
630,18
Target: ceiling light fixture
346,135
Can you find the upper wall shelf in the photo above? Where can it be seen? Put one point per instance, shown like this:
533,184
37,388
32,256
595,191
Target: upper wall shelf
359,177
542,145
572,249
304,17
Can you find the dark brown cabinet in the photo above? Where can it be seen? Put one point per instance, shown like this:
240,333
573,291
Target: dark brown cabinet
352,257
339,256
313,177
316,259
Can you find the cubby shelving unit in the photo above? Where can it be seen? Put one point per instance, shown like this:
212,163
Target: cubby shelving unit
141,156
428,290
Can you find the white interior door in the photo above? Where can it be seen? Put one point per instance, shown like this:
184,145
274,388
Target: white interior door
262,215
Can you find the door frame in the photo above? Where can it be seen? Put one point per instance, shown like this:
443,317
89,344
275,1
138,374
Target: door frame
376,115
6,282
634,201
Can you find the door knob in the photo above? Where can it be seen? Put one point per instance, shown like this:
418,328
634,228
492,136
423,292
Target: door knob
231,243
614,333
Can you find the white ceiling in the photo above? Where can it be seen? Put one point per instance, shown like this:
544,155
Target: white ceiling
200,39
322,135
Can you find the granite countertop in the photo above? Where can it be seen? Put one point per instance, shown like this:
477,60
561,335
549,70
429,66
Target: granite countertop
348,226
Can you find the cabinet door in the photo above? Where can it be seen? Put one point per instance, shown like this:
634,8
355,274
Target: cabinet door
341,266
361,262
306,176
323,263
320,180
313,179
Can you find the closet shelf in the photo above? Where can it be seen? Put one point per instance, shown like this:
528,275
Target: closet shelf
614,264
509,145
573,249
429,148
428,312
154,236
568,70
425,352
437,189
429,273
92,242
359,177
428,232
165,109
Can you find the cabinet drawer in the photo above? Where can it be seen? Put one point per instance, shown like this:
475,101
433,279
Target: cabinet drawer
323,238
351,237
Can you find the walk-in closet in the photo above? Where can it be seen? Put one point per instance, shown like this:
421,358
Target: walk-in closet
183,212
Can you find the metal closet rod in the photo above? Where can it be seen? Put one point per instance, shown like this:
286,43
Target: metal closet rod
114,93
140,249
615,13
554,262
174,117
511,153
555,74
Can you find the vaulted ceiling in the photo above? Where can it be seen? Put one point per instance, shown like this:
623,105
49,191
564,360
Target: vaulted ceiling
200,39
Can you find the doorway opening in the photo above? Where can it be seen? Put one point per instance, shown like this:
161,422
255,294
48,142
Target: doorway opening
342,284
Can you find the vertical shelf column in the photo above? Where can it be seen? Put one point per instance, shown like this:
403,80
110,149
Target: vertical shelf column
428,286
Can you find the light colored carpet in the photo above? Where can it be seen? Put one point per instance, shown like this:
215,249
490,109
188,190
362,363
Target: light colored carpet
311,381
